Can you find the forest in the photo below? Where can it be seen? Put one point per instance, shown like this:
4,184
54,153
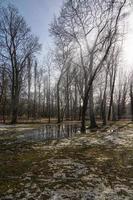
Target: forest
66,121
82,76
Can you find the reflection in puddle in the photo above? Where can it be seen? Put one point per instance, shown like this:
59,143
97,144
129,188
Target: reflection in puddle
49,132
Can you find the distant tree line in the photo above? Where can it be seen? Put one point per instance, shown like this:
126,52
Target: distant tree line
81,76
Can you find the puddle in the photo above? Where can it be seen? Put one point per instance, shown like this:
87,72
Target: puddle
49,132
21,133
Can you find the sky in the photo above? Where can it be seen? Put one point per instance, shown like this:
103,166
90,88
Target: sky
40,13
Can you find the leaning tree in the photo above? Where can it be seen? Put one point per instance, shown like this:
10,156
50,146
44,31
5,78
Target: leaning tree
92,26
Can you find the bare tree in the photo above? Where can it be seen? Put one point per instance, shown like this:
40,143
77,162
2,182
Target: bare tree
62,60
17,44
84,23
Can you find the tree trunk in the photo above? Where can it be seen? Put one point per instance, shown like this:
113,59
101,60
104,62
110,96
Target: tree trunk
75,103
29,87
35,92
49,94
111,96
39,101
58,103
80,109
15,97
113,112
103,110
91,109
15,102
84,108
71,107
83,129
67,98
131,99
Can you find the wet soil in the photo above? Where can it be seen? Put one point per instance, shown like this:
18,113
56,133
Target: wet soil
59,163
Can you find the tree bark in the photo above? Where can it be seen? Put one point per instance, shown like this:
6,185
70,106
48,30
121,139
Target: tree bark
58,103
91,109
29,86
131,100
15,94
111,96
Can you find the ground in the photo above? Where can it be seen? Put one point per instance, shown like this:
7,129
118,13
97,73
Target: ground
35,163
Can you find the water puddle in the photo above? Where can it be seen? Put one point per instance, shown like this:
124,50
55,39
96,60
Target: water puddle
42,133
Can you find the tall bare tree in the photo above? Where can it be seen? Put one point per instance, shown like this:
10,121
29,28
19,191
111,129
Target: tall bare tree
17,44
92,27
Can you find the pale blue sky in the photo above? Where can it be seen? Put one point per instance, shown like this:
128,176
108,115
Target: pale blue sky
38,15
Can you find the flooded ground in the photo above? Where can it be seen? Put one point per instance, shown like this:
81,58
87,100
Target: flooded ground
58,163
